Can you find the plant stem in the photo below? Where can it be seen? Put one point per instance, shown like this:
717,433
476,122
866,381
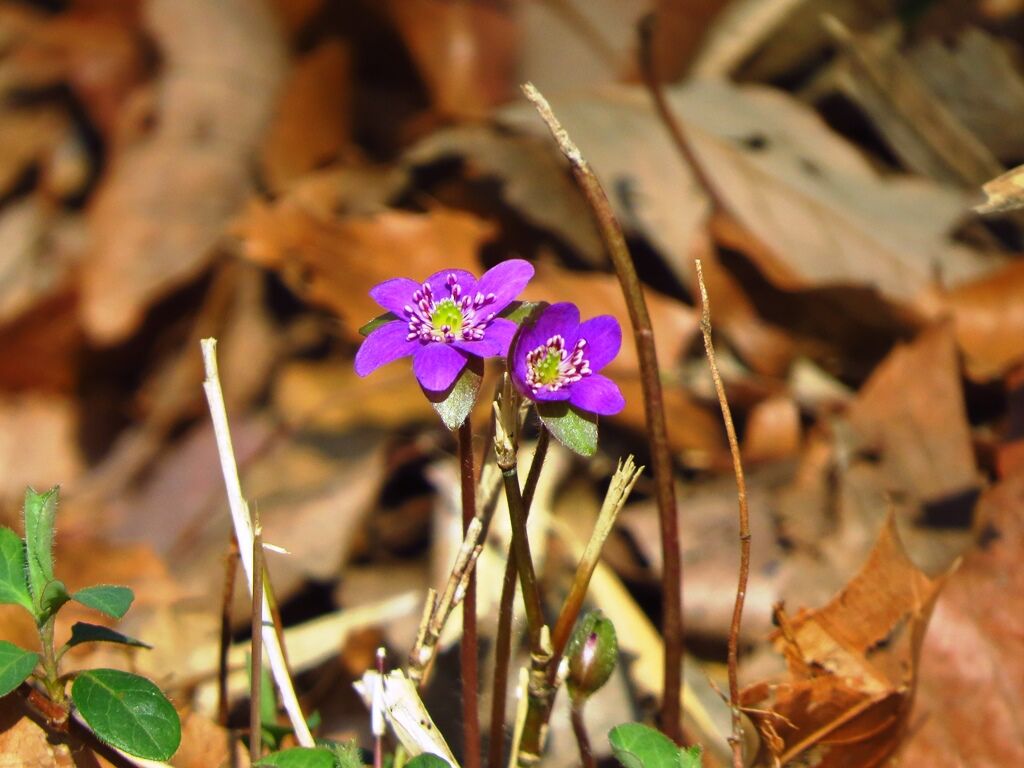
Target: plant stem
579,728
242,523
503,640
256,645
227,594
468,649
654,412
736,740
54,686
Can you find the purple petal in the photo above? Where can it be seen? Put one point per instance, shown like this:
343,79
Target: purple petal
497,337
545,395
394,294
437,365
439,283
597,394
604,337
384,345
561,319
505,281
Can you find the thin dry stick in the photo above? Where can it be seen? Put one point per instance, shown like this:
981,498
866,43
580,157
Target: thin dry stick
468,648
230,571
503,640
542,692
654,412
736,740
243,531
256,644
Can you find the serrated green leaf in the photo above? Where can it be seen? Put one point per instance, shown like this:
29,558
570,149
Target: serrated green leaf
13,589
573,428
638,746
106,598
40,510
377,322
518,311
16,664
301,757
83,632
454,405
427,760
128,712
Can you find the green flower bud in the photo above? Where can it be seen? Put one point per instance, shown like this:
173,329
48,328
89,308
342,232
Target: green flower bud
592,653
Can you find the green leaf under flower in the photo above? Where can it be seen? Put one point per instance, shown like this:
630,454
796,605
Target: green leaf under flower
575,429
377,322
454,405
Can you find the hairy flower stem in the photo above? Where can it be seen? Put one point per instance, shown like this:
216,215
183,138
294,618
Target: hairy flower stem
503,640
468,649
736,740
654,411
579,729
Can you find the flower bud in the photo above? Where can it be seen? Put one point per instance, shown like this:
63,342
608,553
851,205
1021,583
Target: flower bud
592,653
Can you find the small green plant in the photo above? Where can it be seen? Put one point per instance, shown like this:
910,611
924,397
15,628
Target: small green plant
328,755
123,710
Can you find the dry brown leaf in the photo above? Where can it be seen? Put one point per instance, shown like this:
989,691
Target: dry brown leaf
466,52
825,215
971,689
988,320
912,412
852,664
50,336
204,744
169,195
773,431
311,124
335,262
679,30
38,444
27,136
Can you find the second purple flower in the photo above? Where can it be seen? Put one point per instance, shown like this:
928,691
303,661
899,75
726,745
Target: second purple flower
557,358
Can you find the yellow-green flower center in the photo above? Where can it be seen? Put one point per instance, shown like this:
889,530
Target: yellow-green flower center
547,370
447,317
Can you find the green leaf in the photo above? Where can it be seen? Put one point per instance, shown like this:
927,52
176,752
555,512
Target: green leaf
82,632
16,664
106,598
13,589
346,753
40,510
454,405
638,746
518,311
427,760
128,712
55,594
377,322
690,757
575,429
301,757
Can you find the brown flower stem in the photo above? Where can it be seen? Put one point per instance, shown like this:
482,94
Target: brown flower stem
654,412
503,639
256,644
579,729
736,740
469,645
227,594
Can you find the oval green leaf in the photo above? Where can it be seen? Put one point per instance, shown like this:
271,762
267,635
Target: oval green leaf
106,598
128,712
83,632
638,746
454,405
573,428
13,589
16,664
300,757
427,760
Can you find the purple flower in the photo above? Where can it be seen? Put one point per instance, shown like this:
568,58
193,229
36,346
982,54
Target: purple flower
443,321
558,358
